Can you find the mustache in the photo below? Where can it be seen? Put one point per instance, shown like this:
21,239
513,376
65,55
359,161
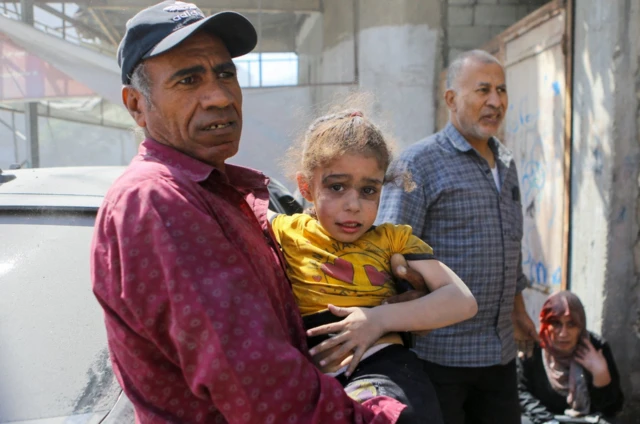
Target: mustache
493,111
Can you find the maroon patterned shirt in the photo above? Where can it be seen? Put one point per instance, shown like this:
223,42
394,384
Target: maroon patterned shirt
201,321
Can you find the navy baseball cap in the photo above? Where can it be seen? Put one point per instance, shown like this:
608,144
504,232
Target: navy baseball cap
160,28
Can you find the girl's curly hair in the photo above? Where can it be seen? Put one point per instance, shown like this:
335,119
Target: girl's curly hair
346,131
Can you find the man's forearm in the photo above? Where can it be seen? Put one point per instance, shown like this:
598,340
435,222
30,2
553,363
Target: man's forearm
518,304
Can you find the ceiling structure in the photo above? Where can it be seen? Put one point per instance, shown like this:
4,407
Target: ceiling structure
103,21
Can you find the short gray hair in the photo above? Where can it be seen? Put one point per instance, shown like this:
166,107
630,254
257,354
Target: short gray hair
453,72
140,81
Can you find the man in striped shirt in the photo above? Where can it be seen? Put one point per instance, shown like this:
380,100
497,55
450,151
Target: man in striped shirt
467,207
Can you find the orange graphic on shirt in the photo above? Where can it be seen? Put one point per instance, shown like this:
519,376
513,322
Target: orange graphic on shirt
346,272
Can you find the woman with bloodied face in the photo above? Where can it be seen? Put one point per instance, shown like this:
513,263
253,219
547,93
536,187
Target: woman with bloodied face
572,373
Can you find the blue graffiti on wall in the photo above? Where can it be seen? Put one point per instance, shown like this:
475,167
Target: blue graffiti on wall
532,138
534,172
538,274
521,116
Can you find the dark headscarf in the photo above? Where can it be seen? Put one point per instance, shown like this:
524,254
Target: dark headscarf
567,377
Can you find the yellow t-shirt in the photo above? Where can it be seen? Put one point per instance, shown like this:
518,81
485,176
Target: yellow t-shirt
323,270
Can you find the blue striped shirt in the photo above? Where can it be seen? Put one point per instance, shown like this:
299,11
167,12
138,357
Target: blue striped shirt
475,229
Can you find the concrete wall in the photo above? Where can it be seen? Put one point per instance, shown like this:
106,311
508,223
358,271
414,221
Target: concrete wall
392,49
268,131
605,168
395,58
272,119
309,49
468,24
387,48
398,61
338,42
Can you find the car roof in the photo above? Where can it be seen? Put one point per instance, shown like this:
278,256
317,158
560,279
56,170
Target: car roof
74,187
61,187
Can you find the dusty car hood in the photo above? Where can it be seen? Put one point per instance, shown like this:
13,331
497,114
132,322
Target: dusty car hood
71,419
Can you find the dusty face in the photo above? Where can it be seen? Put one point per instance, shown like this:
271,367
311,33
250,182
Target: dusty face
564,334
346,195
196,101
479,100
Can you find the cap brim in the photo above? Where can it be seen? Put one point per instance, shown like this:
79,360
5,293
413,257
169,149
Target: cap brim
235,31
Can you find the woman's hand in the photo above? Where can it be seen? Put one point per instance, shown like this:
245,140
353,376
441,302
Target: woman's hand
355,334
593,361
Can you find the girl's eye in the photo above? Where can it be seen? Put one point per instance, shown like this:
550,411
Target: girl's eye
369,191
336,187
571,324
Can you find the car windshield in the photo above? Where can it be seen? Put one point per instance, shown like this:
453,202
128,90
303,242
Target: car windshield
53,356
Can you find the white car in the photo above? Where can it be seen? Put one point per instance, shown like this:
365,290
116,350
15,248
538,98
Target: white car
54,363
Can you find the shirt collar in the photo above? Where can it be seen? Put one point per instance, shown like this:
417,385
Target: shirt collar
500,151
456,139
245,178
198,171
460,143
193,169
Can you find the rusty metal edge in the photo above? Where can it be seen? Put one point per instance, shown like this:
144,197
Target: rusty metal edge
568,137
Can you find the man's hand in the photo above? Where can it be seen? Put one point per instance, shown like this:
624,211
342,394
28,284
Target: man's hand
524,329
402,271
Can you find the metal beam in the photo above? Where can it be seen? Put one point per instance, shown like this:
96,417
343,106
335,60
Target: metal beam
112,29
30,109
268,6
75,22
67,118
103,27
31,133
134,8
26,11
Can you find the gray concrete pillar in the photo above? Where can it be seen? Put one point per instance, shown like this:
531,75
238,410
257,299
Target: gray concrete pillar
604,190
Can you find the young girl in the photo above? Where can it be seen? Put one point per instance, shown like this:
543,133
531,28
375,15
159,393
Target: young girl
336,256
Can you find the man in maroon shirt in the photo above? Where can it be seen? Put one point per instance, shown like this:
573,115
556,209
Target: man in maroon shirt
201,321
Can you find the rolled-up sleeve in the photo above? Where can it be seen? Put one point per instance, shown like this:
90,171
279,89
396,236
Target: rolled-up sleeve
197,328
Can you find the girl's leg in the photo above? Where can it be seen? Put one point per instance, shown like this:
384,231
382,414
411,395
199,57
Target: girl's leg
396,372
